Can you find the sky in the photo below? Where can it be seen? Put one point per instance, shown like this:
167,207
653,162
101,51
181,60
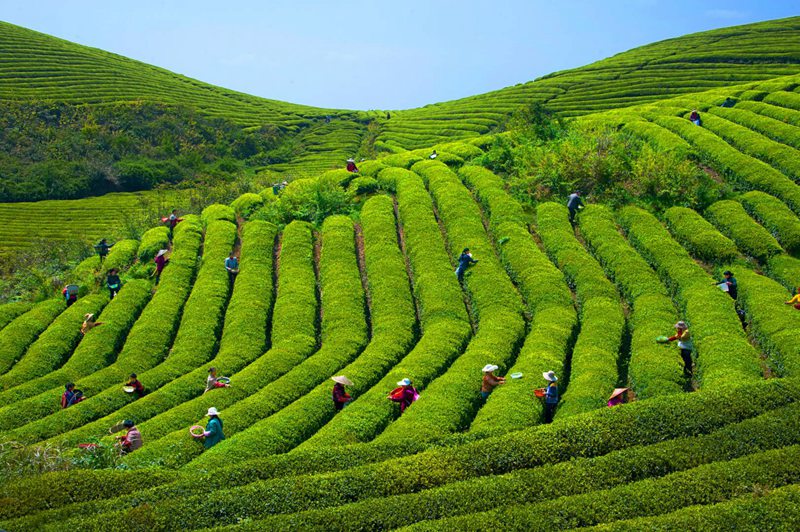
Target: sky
360,54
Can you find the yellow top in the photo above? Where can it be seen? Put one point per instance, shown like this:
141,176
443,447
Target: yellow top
795,299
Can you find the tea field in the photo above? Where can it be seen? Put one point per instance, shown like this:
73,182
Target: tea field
374,297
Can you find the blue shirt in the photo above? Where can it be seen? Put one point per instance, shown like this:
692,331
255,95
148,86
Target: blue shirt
232,263
574,201
215,428
551,394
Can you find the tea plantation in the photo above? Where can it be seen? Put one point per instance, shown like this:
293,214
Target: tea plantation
373,296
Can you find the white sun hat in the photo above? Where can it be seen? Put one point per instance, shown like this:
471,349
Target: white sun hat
351,160
405,382
162,252
341,379
212,412
550,376
681,325
88,316
490,367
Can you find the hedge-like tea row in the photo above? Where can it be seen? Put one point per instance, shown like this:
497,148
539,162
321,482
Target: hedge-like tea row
593,434
699,237
724,355
782,114
451,401
10,311
392,318
95,350
195,343
775,129
774,215
153,240
343,334
293,339
20,333
593,370
217,211
91,273
775,325
777,155
651,369
55,344
732,220
785,270
242,339
546,295
703,485
147,343
749,172
773,510
247,204
443,318
765,432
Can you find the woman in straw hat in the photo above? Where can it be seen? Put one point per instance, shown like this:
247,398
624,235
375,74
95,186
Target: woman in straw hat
550,395
161,261
405,394
490,380
340,396
351,165
213,433
618,397
89,323
685,345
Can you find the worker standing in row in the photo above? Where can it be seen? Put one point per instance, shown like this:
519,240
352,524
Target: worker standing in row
574,202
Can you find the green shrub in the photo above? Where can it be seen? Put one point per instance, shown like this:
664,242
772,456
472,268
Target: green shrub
732,220
55,344
785,270
403,160
247,204
93,352
146,344
770,127
699,237
363,185
153,240
293,338
10,311
343,335
775,216
23,330
649,370
217,212
370,168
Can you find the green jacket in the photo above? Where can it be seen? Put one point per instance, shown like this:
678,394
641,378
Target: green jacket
215,428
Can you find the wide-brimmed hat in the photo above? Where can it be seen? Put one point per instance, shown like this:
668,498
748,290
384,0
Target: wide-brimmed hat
681,325
618,391
489,367
212,412
550,376
88,316
341,379
162,252
351,160
405,382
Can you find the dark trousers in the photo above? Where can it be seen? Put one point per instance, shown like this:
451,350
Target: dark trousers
686,355
549,412
572,213
231,276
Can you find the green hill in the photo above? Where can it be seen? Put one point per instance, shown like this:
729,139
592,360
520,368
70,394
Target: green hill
352,274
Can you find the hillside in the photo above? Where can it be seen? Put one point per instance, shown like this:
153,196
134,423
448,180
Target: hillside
353,274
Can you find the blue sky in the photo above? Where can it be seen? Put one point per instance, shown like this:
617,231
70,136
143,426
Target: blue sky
361,54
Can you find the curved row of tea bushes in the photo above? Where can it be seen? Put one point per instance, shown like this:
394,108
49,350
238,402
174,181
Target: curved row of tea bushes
779,156
146,344
773,510
775,216
706,484
660,138
776,326
24,329
785,270
242,339
95,351
194,344
10,311
652,369
444,322
724,355
55,344
153,240
452,400
781,114
776,130
91,273
593,368
216,212
547,296
699,237
593,434
525,486
749,172
293,338
392,318
732,220
343,334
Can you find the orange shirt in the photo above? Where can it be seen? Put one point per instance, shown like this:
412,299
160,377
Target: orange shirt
489,382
